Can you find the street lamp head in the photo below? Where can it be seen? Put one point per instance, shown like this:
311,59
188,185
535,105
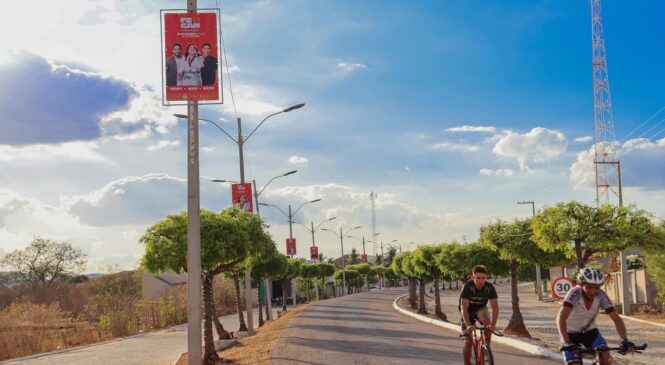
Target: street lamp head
315,200
224,181
182,116
357,227
326,229
333,218
290,173
264,204
294,107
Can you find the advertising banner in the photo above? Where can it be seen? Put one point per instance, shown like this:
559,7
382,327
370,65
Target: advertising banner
290,247
364,257
314,253
190,57
241,197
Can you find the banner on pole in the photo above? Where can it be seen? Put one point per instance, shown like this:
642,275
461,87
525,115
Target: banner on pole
290,246
241,197
190,57
314,253
364,257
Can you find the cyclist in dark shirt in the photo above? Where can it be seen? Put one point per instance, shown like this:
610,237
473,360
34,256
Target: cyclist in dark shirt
473,307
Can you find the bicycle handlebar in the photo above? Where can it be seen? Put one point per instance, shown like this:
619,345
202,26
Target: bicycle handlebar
601,348
482,327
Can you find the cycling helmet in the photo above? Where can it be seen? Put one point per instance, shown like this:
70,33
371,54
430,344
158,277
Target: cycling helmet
589,275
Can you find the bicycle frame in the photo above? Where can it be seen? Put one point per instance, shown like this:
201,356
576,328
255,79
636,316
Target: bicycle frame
481,349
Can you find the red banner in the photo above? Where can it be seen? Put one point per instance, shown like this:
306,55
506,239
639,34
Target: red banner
290,246
241,196
191,55
364,257
314,253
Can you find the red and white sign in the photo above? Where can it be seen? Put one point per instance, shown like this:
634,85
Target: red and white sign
364,257
241,196
314,253
190,57
290,247
561,286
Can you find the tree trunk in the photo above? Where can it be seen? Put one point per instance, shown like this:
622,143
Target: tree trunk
579,255
412,293
516,324
210,355
421,297
437,299
221,332
241,317
284,282
457,284
258,295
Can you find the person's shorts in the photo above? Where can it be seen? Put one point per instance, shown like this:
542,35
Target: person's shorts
473,317
589,339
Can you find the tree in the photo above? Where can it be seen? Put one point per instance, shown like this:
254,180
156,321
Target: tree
45,262
292,271
390,255
227,239
353,279
324,269
266,263
584,231
453,261
354,257
513,243
308,275
426,265
365,270
654,258
398,266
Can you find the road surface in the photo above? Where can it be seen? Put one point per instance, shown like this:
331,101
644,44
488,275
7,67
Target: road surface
365,329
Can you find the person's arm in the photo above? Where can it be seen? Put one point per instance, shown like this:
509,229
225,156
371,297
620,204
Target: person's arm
618,324
561,318
465,315
495,312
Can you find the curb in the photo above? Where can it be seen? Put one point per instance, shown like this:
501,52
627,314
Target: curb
642,321
512,342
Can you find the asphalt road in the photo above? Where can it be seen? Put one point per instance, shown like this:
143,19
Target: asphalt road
154,348
365,329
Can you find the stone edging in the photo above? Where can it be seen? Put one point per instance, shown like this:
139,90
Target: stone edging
509,341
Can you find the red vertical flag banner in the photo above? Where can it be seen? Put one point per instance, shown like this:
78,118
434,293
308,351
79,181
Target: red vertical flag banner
364,257
191,57
314,252
241,197
291,247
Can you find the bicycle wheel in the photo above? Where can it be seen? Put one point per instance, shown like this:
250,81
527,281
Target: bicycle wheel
488,358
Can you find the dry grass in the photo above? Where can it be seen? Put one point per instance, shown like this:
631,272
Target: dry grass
254,350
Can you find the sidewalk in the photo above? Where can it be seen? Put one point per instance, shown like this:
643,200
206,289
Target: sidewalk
539,318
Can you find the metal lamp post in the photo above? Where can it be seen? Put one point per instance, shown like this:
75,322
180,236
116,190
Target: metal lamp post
341,241
240,141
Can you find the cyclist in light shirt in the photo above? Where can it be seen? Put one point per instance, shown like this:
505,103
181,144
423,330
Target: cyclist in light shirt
576,320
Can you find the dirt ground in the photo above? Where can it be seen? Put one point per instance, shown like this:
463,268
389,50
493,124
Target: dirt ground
255,349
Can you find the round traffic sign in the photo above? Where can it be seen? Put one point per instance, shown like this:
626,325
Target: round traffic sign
561,286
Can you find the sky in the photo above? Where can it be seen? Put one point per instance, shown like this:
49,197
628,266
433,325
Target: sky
451,112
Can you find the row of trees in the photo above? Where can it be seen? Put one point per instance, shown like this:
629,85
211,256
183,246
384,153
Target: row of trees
554,236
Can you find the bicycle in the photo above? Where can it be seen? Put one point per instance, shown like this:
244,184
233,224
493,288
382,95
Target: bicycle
481,349
581,351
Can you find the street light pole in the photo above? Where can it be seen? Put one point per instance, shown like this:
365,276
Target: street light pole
341,241
539,285
240,141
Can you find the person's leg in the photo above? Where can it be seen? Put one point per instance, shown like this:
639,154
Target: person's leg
570,357
484,318
605,358
467,343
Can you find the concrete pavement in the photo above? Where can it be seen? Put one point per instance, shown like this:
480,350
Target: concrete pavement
365,329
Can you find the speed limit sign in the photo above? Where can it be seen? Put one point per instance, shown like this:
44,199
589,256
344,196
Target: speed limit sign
560,286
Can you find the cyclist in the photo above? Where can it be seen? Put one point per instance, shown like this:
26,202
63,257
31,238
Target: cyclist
473,307
576,320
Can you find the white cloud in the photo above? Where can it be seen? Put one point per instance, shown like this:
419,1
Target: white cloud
458,147
497,172
82,152
472,129
297,160
539,145
162,144
348,67
583,139
641,165
208,149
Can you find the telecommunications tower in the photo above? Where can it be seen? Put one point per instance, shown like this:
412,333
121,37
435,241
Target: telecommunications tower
606,165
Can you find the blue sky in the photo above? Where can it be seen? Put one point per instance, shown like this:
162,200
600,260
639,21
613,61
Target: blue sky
450,111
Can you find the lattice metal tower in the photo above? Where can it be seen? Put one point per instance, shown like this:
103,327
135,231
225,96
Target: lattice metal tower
607,180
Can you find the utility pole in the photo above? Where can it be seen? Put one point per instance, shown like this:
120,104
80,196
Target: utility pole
608,169
193,229
372,196
248,277
539,285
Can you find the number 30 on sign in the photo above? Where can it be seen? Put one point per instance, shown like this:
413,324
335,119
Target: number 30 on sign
561,286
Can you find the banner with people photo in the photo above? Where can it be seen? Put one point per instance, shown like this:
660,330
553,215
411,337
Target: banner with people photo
191,57
241,196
